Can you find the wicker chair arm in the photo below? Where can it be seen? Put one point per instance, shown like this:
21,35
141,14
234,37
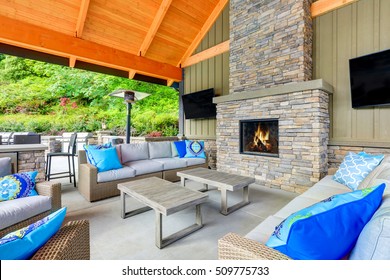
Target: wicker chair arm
51,189
235,247
72,242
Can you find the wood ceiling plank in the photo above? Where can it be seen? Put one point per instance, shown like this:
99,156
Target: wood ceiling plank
81,18
158,18
36,38
205,28
321,7
206,54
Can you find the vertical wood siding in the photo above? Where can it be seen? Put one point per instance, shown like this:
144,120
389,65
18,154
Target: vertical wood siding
211,73
355,30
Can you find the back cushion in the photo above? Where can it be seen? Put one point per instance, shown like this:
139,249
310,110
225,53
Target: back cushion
5,166
134,151
160,149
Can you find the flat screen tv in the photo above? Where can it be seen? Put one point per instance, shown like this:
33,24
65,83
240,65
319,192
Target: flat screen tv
370,80
199,105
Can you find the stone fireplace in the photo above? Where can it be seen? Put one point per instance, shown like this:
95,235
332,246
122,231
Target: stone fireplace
270,80
259,137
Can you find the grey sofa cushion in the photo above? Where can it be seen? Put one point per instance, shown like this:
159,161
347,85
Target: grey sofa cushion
171,163
194,161
378,172
17,210
374,240
5,166
145,166
116,174
135,151
160,149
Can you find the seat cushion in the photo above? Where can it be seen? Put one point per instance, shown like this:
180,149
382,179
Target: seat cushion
194,161
160,149
116,174
262,232
145,166
171,163
295,205
134,151
17,210
374,240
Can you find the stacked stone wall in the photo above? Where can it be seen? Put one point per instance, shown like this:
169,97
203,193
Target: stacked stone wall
32,160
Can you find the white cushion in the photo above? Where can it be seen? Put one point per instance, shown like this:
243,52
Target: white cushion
160,149
264,230
115,174
145,166
134,151
374,240
17,210
295,205
171,163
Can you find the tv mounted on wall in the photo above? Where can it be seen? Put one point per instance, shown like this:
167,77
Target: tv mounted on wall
370,80
199,105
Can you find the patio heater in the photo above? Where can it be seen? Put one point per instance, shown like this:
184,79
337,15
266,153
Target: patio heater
130,96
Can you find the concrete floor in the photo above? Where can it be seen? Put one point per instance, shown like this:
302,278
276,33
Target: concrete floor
114,238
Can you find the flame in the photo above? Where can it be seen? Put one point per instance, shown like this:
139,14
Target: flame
261,136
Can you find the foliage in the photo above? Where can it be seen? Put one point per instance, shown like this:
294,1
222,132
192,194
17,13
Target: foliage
66,99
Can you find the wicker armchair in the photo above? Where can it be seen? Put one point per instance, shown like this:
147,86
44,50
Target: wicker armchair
72,242
46,188
235,247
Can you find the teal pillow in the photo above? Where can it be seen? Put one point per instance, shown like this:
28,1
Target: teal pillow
355,168
195,149
18,185
327,230
24,243
105,159
87,149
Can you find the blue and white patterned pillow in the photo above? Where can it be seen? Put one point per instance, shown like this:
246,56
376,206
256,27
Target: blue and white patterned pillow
195,149
18,185
355,168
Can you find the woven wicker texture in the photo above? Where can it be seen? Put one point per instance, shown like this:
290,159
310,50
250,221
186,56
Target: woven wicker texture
24,223
72,242
235,247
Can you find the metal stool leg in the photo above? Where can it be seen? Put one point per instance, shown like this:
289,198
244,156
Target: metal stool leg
74,172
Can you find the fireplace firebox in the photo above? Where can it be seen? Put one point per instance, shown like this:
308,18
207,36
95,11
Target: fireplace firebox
259,137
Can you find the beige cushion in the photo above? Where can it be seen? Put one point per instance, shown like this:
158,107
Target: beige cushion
134,151
160,150
264,230
295,205
384,165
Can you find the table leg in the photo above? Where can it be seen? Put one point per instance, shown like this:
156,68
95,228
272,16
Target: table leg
183,181
125,214
225,210
159,239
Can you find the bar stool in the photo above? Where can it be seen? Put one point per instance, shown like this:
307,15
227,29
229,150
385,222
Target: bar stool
70,155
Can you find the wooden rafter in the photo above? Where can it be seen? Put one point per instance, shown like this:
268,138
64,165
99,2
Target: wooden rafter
321,7
158,18
205,28
25,35
81,18
206,54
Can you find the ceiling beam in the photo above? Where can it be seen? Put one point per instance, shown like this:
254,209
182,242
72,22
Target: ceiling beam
206,54
203,31
321,7
81,18
25,35
158,18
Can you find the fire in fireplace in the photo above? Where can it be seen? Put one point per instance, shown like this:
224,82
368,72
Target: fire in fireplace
259,137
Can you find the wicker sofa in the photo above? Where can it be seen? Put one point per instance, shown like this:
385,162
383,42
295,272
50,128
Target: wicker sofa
375,234
139,160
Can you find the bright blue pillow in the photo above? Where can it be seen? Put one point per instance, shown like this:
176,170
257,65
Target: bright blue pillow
87,149
18,185
355,168
327,230
195,149
24,243
181,148
364,154
105,159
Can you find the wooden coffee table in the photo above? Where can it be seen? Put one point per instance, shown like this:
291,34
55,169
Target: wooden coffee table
165,198
223,181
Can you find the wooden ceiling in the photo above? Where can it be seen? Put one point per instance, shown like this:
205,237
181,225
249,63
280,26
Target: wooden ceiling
141,39
145,37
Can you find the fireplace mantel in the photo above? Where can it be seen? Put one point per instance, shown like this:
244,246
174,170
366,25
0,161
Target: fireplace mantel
277,90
